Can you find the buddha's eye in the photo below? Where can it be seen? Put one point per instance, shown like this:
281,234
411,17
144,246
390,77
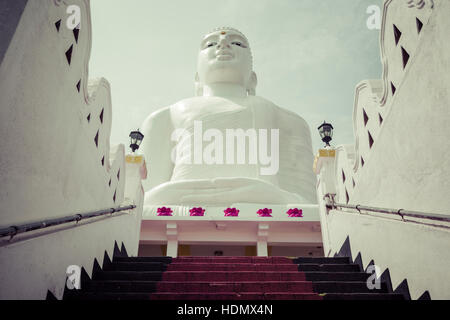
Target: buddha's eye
237,43
210,44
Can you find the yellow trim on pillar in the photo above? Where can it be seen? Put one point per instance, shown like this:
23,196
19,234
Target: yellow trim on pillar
133,159
323,153
327,153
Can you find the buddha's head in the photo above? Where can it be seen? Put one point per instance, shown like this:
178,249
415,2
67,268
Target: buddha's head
225,57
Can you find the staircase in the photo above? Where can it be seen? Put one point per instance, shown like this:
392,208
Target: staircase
230,278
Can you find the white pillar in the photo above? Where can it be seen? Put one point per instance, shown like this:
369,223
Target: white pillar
135,171
261,248
172,248
261,245
172,240
324,167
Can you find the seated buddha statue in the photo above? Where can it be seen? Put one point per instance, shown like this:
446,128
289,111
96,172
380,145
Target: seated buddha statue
226,145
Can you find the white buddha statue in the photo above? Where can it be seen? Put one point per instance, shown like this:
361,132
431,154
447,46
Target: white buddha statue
192,149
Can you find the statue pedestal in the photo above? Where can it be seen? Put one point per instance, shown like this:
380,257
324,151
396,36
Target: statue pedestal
246,229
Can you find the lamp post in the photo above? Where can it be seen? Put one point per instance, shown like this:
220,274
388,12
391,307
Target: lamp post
326,133
136,139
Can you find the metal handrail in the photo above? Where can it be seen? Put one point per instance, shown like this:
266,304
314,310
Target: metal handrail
400,212
31,226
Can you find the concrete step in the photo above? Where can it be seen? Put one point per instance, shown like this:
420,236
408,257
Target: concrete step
321,260
336,276
363,296
346,287
206,287
329,267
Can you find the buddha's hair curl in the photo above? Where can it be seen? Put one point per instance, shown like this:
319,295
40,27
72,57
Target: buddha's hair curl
229,29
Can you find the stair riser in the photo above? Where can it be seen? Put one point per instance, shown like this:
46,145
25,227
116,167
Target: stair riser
346,287
233,260
231,267
304,287
329,267
321,260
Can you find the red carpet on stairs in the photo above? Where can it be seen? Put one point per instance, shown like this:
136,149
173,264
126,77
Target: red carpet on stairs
233,278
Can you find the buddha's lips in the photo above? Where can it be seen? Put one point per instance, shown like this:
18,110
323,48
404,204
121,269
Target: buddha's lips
225,55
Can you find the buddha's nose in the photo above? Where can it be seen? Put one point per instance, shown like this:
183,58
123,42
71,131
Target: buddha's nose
223,43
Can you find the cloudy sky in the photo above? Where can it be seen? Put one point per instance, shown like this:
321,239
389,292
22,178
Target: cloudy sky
308,55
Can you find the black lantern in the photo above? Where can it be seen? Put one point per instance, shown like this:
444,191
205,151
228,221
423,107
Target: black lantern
136,139
326,132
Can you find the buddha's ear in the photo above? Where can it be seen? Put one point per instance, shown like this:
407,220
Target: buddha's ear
198,86
251,86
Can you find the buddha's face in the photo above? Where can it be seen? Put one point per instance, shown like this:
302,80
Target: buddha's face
224,57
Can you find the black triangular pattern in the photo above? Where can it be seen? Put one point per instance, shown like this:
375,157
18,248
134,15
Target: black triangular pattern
114,197
380,118
346,196
343,176
76,32
366,118
362,162
370,140
79,85
96,139
103,161
353,181
397,34
419,25
118,174
405,57
101,116
58,25
69,54
393,88
89,117
109,182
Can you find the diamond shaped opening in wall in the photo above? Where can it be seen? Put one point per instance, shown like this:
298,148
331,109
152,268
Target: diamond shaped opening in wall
109,183
362,162
370,139
347,198
76,32
89,117
366,118
118,174
114,197
69,54
96,139
397,34
380,118
58,25
405,57
419,25
343,176
101,116
393,88
78,85
103,161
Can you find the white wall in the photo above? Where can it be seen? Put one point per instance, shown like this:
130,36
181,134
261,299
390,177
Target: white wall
51,165
408,165
415,252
